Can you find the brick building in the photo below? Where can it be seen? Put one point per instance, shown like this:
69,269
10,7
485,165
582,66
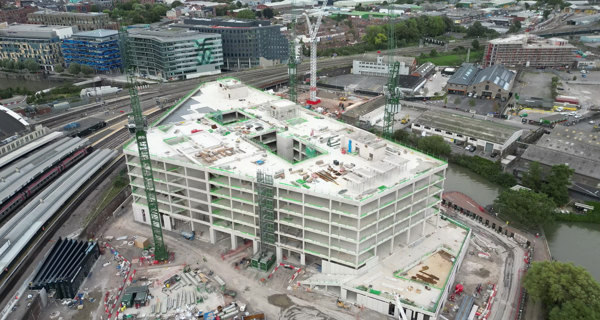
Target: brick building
529,51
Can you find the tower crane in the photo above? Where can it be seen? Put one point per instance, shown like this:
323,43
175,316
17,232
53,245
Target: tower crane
312,34
292,61
139,128
392,90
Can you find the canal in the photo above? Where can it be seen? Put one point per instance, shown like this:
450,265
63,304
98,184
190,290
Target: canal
568,241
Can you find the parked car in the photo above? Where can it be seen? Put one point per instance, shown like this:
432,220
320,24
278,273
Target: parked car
470,148
494,154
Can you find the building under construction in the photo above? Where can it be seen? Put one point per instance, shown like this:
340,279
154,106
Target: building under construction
233,164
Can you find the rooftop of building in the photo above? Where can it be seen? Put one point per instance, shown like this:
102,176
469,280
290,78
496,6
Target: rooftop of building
166,34
579,149
74,14
98,33
464,75
233,128
227,22
403,271
476,128
10,123
497,74
469,74
24,29
532,41
372,57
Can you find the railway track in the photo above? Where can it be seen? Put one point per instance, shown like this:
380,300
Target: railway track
256,77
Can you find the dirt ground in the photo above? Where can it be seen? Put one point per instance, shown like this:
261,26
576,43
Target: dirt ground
277,297
330,100
435,265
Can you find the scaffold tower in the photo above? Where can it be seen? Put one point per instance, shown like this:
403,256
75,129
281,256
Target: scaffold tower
265,257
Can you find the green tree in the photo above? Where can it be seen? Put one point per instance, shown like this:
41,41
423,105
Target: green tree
405,137
515,27
434,145
433,53
176,4
58,68
557,184
527,6
533,177
472,102
85,69
380,40
546,14
475,44
238,4
94,8
74,68
525,207
31,65
246,14
565,290
268,13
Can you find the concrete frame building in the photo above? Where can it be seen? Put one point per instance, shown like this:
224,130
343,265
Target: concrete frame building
495,81
41,43
378,65
83,21
529,51
337,195
459,129
98,49
246,43
174,53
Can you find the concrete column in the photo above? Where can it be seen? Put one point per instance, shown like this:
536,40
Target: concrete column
255,246
302,259
233,241
343,294
213,235
278,254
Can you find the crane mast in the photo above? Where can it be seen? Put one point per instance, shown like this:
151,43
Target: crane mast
392,92
160,251
293,62
312,33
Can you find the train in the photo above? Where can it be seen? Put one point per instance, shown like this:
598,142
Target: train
30,189
85,131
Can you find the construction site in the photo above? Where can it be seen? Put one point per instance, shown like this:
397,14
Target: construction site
247,170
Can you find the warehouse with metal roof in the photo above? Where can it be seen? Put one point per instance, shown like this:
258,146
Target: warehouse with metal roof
579,150
485,135
494,82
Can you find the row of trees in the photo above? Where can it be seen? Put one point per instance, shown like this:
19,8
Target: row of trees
409,31
133,12
28,64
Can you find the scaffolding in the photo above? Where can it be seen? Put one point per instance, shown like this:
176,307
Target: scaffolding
264,259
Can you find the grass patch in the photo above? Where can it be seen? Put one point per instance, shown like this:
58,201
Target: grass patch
119,183
453,59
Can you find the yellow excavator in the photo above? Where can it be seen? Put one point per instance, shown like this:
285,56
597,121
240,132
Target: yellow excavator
405,120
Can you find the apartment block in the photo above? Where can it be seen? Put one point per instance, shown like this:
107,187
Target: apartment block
174,53
235,164
529,51
246,43
15,15
41,43
379,65
83,21
98,49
